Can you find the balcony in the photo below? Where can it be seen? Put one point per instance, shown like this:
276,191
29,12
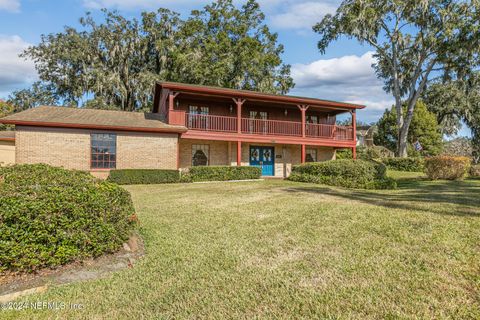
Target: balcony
213,123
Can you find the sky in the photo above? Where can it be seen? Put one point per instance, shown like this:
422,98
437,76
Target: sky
343,73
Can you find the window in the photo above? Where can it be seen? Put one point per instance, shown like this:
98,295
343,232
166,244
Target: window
200,154
311,155
103,153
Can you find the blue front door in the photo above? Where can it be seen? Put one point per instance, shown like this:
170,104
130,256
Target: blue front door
263,157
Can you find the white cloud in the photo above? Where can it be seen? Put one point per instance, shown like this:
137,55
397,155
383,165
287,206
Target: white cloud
302,15
15,72
10,5
348,78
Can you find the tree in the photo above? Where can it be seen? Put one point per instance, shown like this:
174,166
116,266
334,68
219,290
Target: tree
38,94
424,129
413,41
455,100
115,63
5,109
233,48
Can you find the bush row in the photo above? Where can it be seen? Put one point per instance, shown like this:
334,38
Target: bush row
345,173
405,164
221,173
447,167
194,174
143,176
51,216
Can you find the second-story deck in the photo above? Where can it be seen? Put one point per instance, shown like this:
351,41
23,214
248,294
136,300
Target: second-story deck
263,127
212,113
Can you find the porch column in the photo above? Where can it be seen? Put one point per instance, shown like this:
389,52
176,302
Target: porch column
239,102
303,108
171,97
303,153
354,131
239,153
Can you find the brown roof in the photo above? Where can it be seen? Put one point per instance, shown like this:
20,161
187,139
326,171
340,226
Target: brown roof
7,135
67,117
254,95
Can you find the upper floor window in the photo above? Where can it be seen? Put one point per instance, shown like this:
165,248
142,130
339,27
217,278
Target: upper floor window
200,154
103,152
311,155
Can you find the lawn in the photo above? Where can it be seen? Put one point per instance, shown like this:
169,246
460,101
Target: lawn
279,249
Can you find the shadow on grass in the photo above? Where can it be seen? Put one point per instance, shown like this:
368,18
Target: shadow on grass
415,194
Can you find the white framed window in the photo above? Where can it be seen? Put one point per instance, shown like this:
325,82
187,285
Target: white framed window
200,155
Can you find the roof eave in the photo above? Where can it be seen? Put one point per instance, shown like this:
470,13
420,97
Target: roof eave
90,126
256,95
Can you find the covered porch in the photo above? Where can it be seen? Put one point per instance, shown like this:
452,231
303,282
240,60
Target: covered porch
275,159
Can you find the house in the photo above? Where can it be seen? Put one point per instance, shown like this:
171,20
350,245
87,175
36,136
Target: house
190,125
7,147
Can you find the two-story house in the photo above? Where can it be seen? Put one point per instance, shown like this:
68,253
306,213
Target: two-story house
190,125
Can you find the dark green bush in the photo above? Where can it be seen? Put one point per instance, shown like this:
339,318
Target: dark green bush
144,176
405,164
345,173
221,173
51,216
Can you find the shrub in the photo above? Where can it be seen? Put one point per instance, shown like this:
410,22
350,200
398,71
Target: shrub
144,176
475,171
446,167
345,173
342,154
51,216
221,173
405,164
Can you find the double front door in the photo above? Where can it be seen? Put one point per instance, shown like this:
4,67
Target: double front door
263,157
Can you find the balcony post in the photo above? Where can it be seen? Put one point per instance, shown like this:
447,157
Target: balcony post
303,108
239,102
354,126
171,97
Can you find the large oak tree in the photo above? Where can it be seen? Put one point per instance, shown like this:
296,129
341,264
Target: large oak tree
414,41
115,62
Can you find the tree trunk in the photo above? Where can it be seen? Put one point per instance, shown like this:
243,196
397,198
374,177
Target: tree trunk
402,143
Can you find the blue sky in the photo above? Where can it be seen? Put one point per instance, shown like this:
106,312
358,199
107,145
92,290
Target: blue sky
343,73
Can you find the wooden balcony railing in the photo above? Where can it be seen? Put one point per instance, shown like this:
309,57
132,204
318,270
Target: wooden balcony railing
260,126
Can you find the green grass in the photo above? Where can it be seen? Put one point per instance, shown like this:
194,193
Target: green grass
279,249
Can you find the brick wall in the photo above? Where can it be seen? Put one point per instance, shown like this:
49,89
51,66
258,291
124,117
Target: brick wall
218,152
146,151
7,152
70,148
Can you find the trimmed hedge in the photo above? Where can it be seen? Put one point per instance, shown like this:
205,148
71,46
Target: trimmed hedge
345,173
405,164
447,167
144,176
221,173
51,216
475,171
